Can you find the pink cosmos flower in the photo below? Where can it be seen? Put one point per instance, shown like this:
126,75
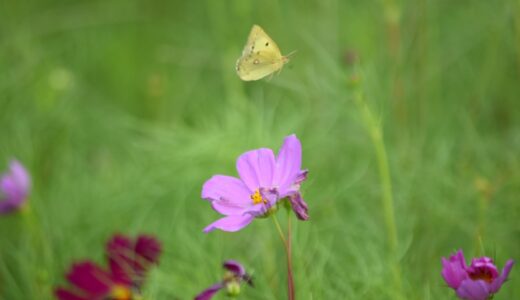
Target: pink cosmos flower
128,259
264,180
235,275
14,188
479,281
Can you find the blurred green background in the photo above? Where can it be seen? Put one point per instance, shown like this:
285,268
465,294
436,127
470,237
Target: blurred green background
121,109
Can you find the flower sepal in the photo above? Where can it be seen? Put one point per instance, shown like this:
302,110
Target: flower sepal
286,204
269,212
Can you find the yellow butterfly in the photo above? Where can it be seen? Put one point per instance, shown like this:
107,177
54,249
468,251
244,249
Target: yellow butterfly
260,56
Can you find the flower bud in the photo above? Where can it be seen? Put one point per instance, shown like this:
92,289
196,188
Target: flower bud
233,288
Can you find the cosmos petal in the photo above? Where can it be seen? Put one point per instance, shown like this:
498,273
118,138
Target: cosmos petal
497,283
256,168
20,175
235,267
149,248
63,294
230,223
454,269
473,290
120,258
14,188
208,293
288,164
90,278
229,195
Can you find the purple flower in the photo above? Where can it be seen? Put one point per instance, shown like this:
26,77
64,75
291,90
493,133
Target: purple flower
264,180
479,281
128,260
14,188
235,275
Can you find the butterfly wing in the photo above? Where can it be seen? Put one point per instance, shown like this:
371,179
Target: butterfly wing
260,57
257,66
259,40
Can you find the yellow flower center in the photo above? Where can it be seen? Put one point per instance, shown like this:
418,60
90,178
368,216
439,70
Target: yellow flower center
257,198
120,293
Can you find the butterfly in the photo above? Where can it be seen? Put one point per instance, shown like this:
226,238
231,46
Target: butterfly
260,57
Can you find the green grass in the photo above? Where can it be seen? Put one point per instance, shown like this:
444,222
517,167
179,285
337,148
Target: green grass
122,109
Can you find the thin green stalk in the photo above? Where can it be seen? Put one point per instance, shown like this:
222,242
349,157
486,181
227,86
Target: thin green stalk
37,241
516,16
279,229
287,246
485,190
479,236
374,129
290,276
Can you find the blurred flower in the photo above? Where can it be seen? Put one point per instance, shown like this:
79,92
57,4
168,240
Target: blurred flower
14,188
263,181
128,260
479,281
350,57
234,276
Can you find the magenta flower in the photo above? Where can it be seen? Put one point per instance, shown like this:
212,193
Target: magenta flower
264,181
128,263
234,276
479,281
14,188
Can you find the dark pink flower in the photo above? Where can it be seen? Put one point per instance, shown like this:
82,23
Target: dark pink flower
264,180
479,281
129,260
235,275
91,282
14,188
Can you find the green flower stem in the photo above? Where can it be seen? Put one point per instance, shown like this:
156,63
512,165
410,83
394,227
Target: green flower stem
38,243
290,276
287,246
279,229
479,236
485,190
374,129
516,16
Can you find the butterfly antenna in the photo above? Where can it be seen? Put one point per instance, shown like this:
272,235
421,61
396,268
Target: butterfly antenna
288,56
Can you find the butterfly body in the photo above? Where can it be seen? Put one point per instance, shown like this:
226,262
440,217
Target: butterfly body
260,57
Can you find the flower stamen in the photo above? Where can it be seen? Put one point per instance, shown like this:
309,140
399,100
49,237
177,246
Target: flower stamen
120,293
257,198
